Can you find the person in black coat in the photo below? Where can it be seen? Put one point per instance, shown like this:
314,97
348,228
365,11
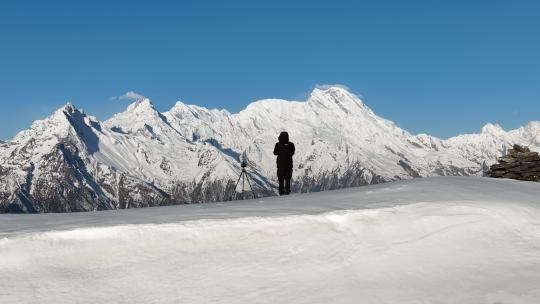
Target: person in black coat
284,149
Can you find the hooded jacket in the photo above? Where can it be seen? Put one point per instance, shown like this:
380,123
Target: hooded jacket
284,149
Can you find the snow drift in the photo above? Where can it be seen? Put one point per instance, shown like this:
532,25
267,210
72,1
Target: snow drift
436,240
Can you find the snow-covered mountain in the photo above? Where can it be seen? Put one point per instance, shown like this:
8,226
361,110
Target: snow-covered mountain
71,161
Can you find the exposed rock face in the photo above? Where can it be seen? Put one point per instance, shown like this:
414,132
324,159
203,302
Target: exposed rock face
141,157
519,163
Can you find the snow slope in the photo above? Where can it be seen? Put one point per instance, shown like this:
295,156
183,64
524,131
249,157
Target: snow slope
434,240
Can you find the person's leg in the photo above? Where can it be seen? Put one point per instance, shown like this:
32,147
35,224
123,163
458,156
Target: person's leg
288,176
281,179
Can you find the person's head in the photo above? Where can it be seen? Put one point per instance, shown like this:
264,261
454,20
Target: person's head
283,137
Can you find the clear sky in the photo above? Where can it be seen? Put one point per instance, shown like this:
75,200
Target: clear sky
437,67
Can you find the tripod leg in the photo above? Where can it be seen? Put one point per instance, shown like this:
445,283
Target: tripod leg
250,187
243,180
236,185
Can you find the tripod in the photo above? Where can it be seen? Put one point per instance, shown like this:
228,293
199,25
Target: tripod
244,176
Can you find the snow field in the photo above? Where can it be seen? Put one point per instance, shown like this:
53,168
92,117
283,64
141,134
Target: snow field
472,250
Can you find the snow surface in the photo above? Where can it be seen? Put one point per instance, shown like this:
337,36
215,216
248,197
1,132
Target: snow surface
435,240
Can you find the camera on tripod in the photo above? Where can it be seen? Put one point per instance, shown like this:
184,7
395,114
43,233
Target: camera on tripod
244,176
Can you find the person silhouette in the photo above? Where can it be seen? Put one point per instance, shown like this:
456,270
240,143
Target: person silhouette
284,149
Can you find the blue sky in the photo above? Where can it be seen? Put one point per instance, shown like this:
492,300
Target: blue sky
437,67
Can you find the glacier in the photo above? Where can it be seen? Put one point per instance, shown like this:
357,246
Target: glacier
433,240
142,157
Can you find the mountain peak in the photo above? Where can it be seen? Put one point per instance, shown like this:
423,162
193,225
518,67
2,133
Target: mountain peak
141,105
137,111
179,106
60,114
336,97
332,88
533,125
68,107
140,117
494,129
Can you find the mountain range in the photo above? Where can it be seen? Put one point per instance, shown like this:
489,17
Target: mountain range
142,157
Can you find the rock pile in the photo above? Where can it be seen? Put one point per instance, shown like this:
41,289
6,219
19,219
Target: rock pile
519,163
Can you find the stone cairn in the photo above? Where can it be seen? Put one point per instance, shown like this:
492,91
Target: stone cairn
519,163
